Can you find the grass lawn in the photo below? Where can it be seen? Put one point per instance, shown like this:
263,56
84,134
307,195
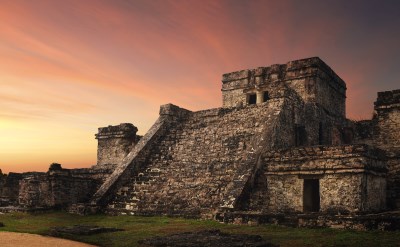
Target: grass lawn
137,228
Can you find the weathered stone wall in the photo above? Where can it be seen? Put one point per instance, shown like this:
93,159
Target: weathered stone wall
351,179
284,194
342,193
383,131
115,142
10,188
387,129
311,78
59,187
374,199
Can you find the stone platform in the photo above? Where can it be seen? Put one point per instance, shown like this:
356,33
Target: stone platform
387,221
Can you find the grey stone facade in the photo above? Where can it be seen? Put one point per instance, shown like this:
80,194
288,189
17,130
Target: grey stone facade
281,144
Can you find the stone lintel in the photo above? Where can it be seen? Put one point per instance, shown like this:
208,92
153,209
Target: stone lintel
326,159
322,171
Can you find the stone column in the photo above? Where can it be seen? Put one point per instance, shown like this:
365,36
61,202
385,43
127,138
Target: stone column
260,97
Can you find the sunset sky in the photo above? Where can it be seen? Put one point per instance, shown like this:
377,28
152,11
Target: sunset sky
68,67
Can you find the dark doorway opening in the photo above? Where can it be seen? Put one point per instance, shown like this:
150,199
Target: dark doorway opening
252,99
300,135
311,199
265,97
320,134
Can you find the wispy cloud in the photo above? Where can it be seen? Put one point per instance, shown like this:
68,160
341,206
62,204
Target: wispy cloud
75,64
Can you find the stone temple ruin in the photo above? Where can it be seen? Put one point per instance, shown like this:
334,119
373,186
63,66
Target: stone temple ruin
279,150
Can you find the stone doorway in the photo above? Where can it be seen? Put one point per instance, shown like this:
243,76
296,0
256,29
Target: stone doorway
311,198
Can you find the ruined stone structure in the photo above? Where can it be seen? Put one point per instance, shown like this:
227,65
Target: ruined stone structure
115,142
280,145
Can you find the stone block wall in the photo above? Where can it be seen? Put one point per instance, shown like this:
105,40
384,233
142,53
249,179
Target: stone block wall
311,78
195,164
383,131
59,187
387,132
10,188
115,142
351,179
375,187
283,194
343,193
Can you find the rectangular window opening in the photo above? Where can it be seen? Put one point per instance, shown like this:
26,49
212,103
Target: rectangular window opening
252,99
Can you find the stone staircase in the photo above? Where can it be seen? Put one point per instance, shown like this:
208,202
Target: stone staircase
127,198
196,164
135,160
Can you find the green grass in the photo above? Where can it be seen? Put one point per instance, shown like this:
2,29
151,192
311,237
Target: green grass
137,228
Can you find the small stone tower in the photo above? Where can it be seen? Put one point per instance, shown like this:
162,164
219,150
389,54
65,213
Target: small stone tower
115,142
313,80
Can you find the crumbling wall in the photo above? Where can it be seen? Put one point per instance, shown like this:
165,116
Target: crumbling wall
59,187
115,142
383,131
11,188
387,129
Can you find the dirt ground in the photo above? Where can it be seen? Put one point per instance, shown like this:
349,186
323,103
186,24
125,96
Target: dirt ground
13,239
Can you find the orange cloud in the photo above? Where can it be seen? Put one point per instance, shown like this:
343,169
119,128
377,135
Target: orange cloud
72,66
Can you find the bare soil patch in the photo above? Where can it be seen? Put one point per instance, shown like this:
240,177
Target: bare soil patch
15,239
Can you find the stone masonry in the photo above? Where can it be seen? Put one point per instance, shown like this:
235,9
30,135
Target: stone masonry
115,142
279,145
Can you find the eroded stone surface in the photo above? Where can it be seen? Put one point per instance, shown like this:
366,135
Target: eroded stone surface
115,142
